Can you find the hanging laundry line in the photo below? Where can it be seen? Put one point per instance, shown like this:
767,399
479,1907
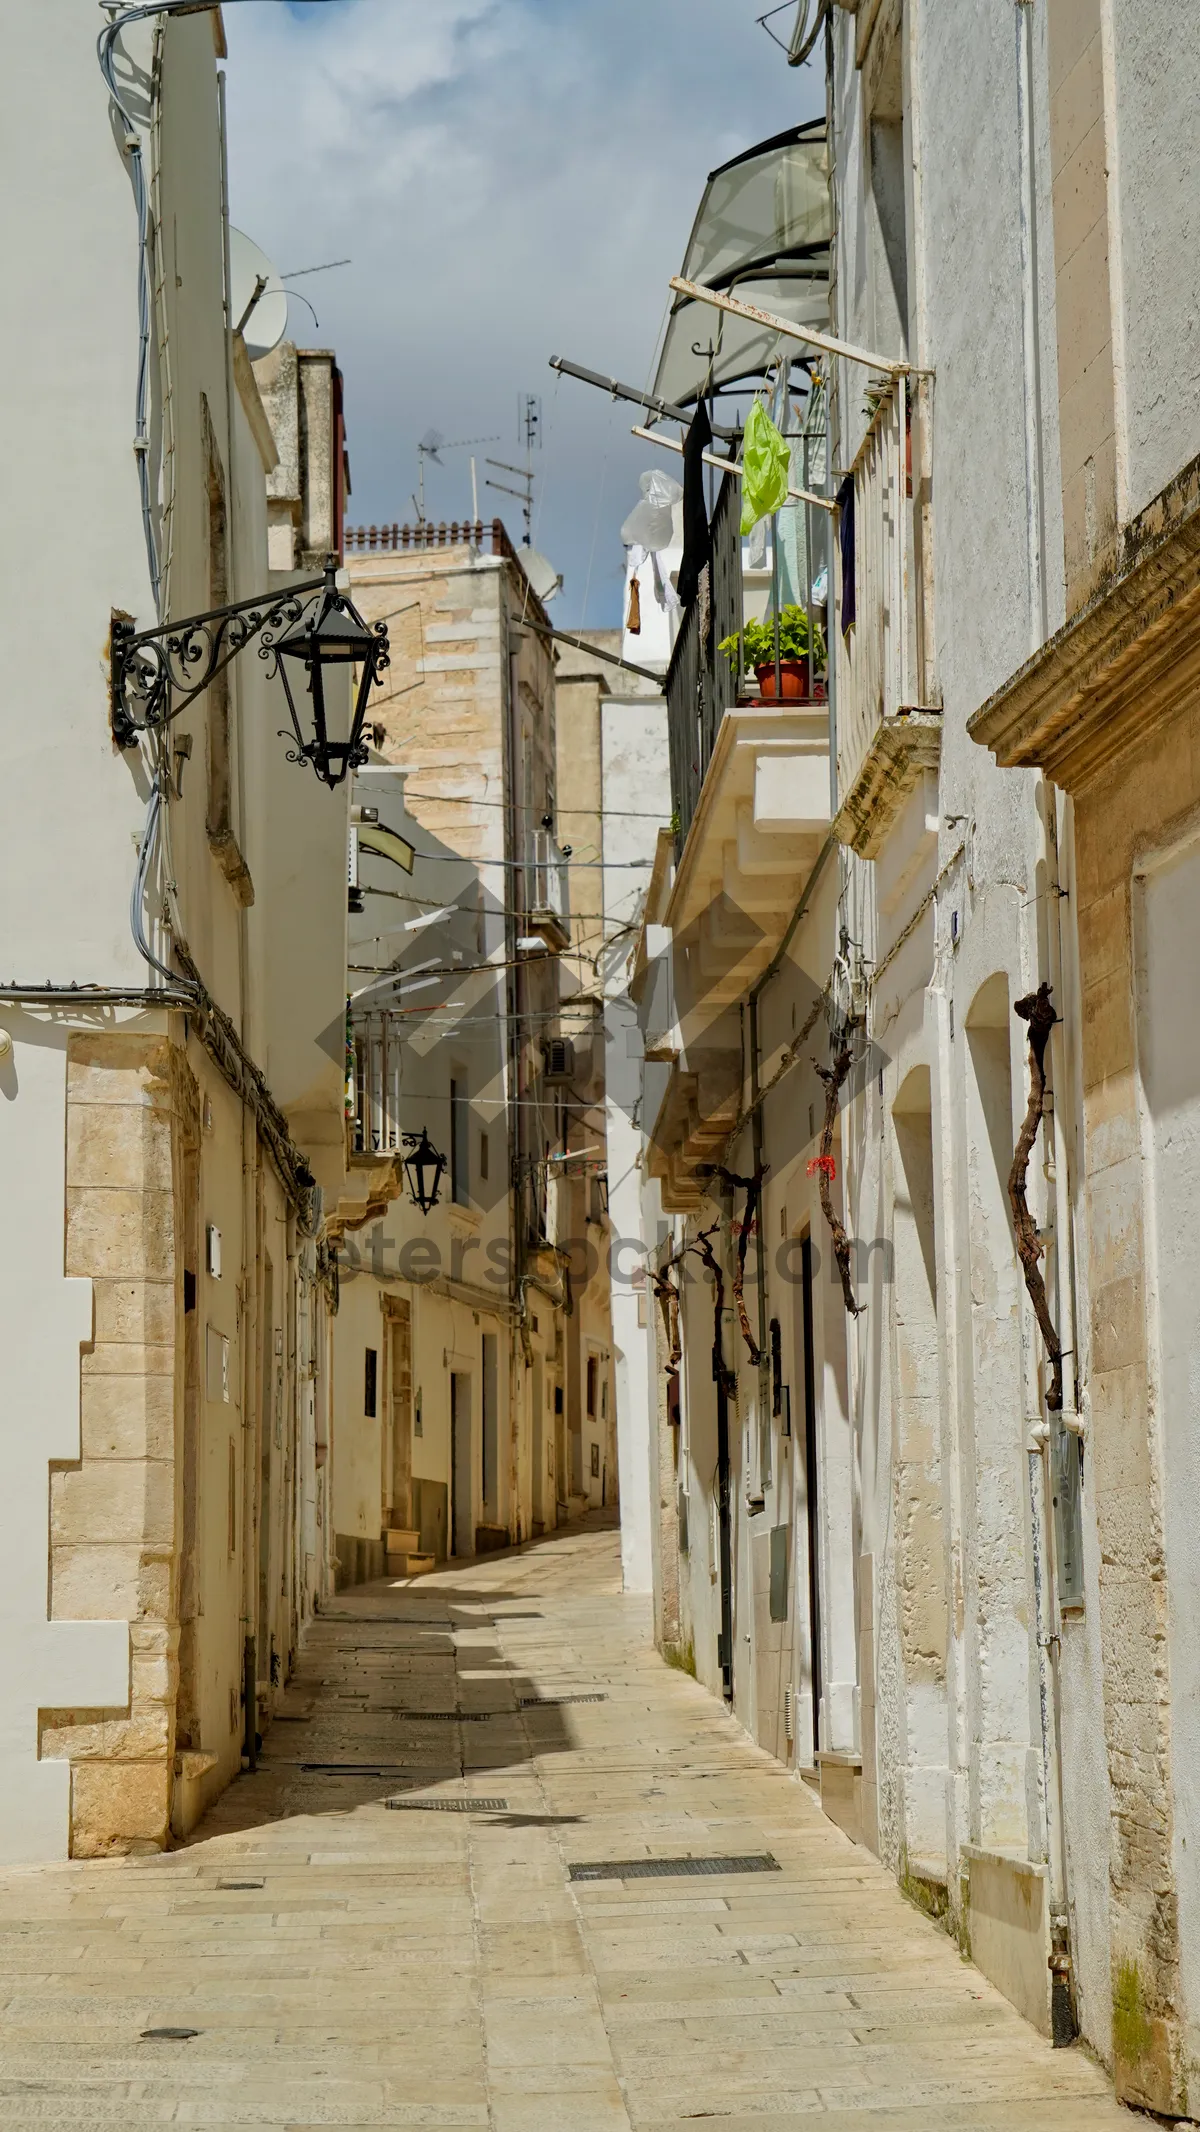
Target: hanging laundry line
729,466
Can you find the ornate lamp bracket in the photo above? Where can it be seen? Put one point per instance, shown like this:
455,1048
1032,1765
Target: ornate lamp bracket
157,673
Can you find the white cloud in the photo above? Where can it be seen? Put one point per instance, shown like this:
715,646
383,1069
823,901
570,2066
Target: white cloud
513,179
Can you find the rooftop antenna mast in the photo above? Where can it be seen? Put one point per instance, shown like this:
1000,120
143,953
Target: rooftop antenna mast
529,432
431,445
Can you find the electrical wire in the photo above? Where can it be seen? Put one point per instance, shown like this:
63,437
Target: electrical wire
169,462
466,910
106,54
617,814
137,899
451,858
132,150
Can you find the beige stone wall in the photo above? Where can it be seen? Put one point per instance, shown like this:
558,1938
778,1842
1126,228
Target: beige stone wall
579,690
463,662
1155,798
1087,409
441,703
113,1516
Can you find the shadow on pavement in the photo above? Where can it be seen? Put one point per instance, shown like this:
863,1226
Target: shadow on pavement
404,1686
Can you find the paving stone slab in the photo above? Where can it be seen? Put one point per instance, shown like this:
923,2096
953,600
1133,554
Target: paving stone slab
443,1970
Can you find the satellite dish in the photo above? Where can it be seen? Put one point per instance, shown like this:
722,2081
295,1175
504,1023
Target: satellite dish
542,575
258,297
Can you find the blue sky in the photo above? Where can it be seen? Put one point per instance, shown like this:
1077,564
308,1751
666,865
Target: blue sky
512,179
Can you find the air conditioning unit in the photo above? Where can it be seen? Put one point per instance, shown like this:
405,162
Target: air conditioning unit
560,1059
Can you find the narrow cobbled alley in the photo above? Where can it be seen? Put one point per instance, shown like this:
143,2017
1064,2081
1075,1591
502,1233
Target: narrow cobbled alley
441,1900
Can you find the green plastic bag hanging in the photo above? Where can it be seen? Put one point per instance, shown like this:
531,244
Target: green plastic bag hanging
766,461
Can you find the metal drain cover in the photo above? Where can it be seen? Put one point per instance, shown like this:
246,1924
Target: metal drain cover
170,2035
447,1806
557,1702
354,1769
669,1868
444,1717
223,1884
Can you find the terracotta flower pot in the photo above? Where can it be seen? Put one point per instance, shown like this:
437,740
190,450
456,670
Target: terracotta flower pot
793,680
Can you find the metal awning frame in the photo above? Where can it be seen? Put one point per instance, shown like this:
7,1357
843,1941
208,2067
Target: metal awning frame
808,335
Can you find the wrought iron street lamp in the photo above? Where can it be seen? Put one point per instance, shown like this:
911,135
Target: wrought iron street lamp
310,634
424,1169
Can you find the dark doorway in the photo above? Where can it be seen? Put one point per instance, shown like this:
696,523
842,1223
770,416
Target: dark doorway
811,1484
462,1469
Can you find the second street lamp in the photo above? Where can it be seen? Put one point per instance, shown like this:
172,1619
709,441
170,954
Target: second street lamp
158,673
423,1169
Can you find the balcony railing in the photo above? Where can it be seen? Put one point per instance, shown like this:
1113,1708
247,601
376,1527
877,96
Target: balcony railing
373,1085
879,660
550,890
701,684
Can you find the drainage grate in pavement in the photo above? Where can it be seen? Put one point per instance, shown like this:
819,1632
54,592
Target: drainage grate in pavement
416,1717
669,1868
223,1884
447,1806
448,1717
170,2035
355,1769
557,1702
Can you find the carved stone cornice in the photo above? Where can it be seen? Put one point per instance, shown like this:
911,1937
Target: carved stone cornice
1119,669
904,747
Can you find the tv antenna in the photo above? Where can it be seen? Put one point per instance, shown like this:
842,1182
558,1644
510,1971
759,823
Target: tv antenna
431,445
529,432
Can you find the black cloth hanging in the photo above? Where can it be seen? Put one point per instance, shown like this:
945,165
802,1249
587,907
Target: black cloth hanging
845,504
697,540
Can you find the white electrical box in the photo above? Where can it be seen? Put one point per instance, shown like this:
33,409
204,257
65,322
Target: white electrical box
212,1250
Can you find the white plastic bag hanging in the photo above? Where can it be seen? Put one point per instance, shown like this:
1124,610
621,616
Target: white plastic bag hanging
651,523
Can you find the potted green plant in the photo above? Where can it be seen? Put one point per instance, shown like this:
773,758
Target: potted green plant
752,650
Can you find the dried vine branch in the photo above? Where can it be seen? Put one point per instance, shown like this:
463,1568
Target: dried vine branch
702,1246
752,1187
833,1077
668,1303
1036,1010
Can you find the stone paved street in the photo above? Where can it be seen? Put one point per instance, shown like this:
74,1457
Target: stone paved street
342,1963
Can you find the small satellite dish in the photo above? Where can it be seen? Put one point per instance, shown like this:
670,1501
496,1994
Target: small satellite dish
544,578
259,299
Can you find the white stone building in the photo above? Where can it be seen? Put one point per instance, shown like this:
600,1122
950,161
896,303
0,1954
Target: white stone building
960,1605
172,1146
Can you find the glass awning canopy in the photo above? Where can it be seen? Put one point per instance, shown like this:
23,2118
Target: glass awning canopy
762,233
